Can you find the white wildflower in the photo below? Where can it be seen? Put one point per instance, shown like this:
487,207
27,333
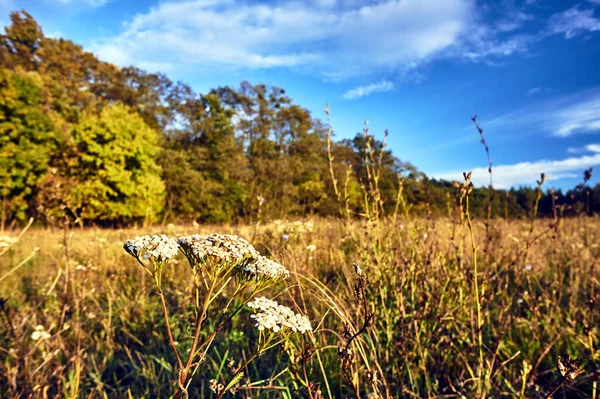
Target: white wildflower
264,269
311,247
40,333
156,248
528,267
227,248
7,241
277,318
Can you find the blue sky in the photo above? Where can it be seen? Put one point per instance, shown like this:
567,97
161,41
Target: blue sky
420,68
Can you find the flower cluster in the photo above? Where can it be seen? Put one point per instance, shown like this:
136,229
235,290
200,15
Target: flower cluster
227,248
287,228
263,269
278,318
40,333
7,241
157,248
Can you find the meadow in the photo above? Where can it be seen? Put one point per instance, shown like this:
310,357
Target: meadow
81,319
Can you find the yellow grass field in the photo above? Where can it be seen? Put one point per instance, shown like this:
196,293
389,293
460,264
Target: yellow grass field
82,319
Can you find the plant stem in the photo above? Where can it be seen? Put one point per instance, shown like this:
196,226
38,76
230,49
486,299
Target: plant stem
199,320
171,340
476,287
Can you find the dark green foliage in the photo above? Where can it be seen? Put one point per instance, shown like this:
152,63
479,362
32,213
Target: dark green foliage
27,140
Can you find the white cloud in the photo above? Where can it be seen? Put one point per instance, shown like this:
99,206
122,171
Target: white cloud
337,40
526,173
562,117
579,118
486,43
362,91
593,147
573,21
587,148
537,90
513,21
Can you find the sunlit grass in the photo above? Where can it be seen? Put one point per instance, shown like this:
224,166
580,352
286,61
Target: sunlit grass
107,331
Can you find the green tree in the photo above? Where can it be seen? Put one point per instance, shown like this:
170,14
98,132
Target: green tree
204,165
114,164
27,140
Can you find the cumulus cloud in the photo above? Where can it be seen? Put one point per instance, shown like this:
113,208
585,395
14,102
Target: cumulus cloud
337,39
526,173
362,91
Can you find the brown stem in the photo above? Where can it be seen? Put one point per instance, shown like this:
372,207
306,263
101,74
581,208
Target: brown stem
171,340
199,320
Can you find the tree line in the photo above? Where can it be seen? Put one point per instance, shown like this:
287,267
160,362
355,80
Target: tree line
86,141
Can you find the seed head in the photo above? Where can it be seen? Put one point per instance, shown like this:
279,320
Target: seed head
569,368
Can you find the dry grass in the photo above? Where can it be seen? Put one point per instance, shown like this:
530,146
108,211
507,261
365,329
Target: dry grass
538,297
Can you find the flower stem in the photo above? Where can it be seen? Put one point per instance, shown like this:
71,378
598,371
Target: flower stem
171,340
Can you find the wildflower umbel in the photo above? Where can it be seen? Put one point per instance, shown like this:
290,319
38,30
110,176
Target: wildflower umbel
158,248
225,249
40,333
278,318
263,269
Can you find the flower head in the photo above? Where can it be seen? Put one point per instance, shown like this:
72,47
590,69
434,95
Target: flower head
157,248
223,248
311,247
277,318
263,269
7,241
40,333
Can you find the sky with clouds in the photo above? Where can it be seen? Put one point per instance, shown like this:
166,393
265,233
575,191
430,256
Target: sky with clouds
419,68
